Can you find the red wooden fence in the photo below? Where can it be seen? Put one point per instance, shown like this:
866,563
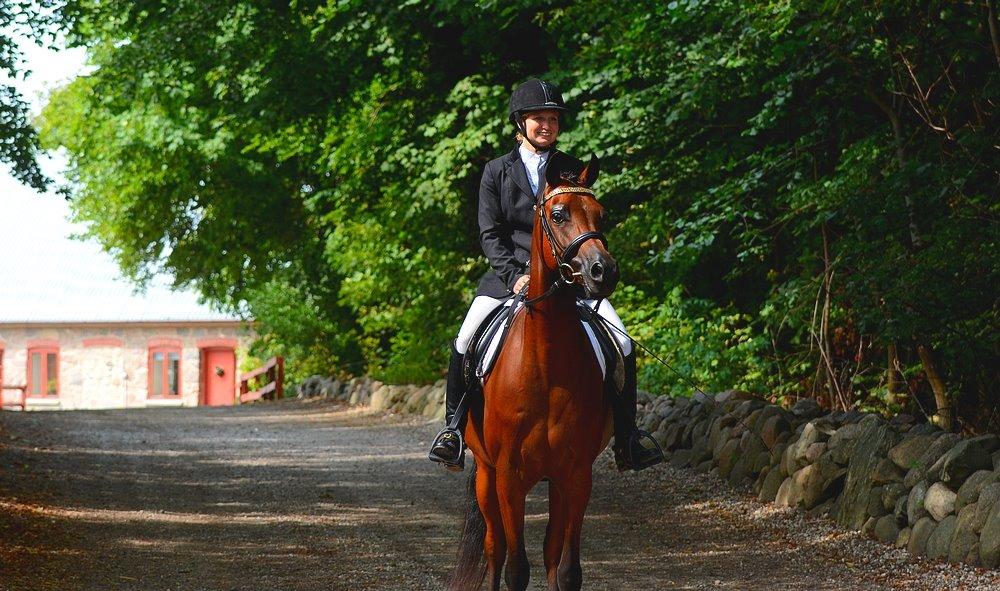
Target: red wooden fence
272,388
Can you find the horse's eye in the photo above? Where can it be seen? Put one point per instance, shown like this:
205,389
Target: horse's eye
558,216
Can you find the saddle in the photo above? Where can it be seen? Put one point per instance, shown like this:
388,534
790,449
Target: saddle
489,338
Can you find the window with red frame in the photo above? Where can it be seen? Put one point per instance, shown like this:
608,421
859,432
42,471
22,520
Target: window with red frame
164,372
43,371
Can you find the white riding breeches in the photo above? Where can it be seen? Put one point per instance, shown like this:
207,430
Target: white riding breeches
483,305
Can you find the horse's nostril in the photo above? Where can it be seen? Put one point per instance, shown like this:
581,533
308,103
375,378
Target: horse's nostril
597,271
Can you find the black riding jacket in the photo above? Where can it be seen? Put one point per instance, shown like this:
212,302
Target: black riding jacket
506,220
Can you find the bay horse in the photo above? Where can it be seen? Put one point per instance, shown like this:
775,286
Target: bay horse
544,413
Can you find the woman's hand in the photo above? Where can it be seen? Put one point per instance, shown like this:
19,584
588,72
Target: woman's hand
520,283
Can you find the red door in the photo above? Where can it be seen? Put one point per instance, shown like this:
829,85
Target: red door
218,373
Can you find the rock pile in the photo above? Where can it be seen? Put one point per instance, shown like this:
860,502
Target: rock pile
907,484
421,400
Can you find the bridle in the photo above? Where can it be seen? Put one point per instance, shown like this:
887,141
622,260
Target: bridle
563,254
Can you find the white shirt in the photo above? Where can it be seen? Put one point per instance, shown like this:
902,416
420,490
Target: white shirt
533,163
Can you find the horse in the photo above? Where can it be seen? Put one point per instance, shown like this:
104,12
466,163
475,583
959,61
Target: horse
543,412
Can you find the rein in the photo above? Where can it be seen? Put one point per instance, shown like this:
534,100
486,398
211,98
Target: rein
705,398
563,255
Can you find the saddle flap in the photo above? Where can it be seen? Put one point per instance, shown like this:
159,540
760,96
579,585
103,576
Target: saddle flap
606,345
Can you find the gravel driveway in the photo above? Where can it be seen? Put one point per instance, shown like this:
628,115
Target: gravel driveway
314,496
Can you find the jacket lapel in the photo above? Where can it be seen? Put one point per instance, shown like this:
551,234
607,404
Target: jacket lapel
519,175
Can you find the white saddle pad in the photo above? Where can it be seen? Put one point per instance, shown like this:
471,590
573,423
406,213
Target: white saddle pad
492,349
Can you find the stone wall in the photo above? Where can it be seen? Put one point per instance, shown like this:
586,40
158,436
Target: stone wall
907,484
420,400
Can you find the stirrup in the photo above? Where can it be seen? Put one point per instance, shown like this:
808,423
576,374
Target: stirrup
623,454
452,464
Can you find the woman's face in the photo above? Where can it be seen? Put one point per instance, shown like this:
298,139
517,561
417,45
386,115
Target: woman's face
542,127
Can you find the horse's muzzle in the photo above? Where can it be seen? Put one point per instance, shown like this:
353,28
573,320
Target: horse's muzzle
599,272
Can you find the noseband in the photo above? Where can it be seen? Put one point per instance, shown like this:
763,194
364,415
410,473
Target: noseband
564,254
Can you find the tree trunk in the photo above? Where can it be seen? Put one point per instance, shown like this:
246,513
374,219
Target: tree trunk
897,395
942,418
991,15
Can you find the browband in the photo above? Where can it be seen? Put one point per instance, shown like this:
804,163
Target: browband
561,190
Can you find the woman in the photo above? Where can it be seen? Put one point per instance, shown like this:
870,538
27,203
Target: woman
507,194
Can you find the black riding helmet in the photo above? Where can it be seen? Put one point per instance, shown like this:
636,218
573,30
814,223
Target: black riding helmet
533,95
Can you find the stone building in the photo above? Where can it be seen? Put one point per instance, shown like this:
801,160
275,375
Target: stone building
120,364
74,334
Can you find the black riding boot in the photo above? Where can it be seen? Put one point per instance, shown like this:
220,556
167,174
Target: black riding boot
630,454
448,447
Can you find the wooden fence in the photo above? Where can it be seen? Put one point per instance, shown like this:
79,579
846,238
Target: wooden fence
269,378
22,393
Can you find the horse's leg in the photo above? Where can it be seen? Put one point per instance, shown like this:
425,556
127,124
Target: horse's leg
511,493
570,574
494,545
555,533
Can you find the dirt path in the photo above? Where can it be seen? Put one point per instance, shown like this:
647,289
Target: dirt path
310,496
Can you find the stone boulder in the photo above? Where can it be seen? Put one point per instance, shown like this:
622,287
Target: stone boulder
939,542
891,494
814,451
904,537
885,472
886,529
989,497
841,443
807,408
970,489
872,445
965,536
907,453
381,398
962,461
919,536
774,427
875,507
989,539
805,488
990,442
940,501
728,395
941,444
728,456
915,503
769,488
795,454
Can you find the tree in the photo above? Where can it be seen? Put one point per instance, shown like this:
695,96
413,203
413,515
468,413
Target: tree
802,194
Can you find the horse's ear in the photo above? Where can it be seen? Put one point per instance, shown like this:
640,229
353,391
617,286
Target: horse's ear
554,172
588,176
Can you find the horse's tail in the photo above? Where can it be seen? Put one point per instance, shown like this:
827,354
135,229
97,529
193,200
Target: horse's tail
471,568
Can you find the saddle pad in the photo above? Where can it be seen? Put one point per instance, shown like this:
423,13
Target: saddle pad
486,361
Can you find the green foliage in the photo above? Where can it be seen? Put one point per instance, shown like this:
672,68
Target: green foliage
19,144
701,345
793,185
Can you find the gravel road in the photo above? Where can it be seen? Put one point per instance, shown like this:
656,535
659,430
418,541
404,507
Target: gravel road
311,495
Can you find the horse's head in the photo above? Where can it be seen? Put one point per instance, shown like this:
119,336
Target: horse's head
571,219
